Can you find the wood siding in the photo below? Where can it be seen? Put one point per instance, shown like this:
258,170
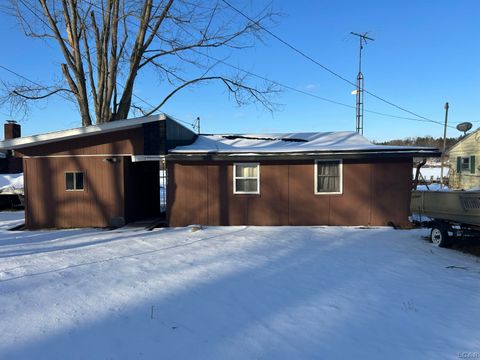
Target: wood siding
49,205
374,193
110,188
119,142
467,147
116,192
154,138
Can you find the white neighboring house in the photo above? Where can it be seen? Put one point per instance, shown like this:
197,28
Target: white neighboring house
464,169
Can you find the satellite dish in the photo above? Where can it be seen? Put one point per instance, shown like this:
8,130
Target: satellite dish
464,126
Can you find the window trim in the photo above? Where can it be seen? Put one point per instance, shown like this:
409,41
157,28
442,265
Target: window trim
315,176
74,180
234,177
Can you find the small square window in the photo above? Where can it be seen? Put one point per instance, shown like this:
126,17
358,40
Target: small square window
246,178
74,181
328,177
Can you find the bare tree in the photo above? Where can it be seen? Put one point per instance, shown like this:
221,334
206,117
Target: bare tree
107,44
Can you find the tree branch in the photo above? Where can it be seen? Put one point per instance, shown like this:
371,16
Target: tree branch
20,93
107,43
234,86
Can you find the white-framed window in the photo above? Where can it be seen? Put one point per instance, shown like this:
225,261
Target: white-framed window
328,177
246,178
74,181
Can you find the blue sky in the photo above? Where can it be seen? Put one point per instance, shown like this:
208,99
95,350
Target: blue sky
424,54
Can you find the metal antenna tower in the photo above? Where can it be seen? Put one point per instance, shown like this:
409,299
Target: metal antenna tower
359,92
196,125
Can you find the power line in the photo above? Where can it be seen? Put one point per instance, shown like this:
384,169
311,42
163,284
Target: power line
321,65
83,56
247,72
286,86
309,93
302,91
35,83
289,45
31,81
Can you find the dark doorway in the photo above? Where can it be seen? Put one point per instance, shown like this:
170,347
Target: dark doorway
142,189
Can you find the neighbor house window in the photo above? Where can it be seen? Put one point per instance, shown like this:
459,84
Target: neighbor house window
74,181
246,178
328,177
465,164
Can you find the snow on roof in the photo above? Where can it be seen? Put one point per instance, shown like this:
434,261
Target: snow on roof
289,143
26,141
11,183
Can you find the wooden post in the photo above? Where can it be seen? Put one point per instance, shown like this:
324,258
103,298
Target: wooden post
444,143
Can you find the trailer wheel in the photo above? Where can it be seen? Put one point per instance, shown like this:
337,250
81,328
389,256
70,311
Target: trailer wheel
439,235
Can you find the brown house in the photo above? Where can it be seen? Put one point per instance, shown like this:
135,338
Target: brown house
290,179
108,175
96,176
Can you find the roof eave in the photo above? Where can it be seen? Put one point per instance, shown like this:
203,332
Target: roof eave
34,140
303,155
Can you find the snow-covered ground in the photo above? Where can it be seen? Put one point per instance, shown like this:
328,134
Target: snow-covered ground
432,173
235,293
433,187
8,220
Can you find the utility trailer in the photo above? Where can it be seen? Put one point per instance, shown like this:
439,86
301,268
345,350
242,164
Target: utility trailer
449,214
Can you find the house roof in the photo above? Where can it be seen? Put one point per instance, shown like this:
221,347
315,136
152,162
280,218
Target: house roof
473,133
117,125
293,143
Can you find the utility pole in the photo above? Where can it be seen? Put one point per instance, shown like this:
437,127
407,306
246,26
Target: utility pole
359,92
444,143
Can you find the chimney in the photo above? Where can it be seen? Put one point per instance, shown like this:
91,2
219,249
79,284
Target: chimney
12,130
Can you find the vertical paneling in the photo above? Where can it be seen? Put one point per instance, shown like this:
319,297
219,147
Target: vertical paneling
374,193
353,206
391,197
50,205
237,204
271,206
187,194
215,187
306,208
120,142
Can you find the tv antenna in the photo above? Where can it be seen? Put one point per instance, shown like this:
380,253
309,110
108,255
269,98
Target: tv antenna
196,125
360,82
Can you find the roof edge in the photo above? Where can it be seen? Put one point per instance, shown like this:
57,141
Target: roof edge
462,140
305,155
33,140
405,149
